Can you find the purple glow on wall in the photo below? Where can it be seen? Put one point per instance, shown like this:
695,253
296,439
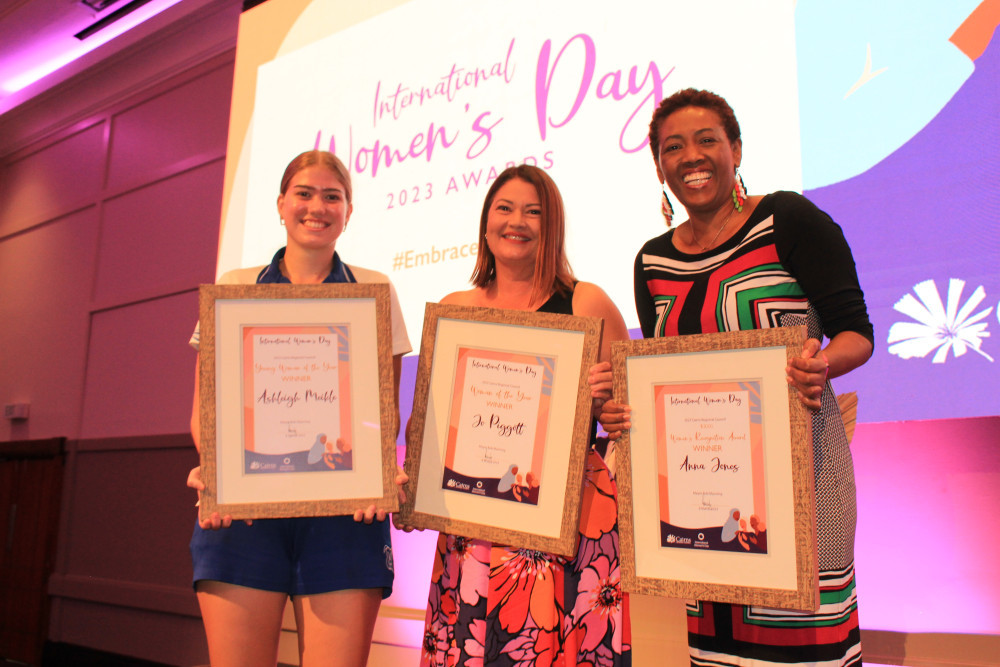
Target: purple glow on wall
53,46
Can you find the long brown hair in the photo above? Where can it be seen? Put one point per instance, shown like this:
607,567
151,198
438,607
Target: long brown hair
552,270
323,159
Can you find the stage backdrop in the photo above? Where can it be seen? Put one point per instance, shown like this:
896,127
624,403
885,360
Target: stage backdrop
884,116
426,101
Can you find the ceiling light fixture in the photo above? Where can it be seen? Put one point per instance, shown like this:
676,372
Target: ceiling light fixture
100,24
98,5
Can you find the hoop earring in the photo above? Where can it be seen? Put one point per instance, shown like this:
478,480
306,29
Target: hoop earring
665,208
739,192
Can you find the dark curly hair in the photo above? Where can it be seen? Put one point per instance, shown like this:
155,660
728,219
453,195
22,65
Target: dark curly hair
692,97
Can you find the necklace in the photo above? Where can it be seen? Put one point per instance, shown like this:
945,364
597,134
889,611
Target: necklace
706,248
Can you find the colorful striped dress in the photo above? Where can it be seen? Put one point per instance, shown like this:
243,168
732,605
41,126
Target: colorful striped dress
789,264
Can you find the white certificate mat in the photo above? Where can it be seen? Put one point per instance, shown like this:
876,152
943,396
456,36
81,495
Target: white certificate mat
654,560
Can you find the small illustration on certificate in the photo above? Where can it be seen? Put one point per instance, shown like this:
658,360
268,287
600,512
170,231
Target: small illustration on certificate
710,466
296,399
497,424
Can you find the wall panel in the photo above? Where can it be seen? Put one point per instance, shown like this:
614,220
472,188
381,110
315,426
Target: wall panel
164,638
172,128
118,490
161,237
100,299
140,375
46,274
928,494
52,182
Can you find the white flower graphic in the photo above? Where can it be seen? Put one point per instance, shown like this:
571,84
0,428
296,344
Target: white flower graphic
938,327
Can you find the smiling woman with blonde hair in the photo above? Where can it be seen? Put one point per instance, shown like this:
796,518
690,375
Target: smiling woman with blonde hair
337,569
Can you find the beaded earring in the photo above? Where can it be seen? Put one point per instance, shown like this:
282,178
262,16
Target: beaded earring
665,208
739,192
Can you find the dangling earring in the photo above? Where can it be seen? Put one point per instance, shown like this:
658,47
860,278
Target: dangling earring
282,221
739,192
665,208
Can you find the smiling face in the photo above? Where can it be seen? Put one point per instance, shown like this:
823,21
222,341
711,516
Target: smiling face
314,208
514,223
696,159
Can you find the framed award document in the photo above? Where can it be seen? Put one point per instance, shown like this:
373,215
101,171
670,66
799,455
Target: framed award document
501,425
715,475
298,414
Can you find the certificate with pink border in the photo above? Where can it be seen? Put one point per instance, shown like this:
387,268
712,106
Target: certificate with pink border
710,464
498,424
297,399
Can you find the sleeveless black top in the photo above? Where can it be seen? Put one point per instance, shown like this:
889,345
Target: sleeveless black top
559,303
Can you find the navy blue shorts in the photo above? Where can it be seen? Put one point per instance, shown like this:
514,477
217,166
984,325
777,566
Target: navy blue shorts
303,556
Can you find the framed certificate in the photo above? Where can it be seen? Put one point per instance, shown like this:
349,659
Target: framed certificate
715,475
500,425
298,413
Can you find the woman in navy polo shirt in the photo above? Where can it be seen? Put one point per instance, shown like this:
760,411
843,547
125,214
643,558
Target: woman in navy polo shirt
336,570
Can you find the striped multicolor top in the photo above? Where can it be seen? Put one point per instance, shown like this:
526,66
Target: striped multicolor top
788,264
788,256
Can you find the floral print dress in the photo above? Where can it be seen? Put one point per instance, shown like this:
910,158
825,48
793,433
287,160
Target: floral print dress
497,605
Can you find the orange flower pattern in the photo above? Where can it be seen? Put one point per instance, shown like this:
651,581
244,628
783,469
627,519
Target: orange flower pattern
491,605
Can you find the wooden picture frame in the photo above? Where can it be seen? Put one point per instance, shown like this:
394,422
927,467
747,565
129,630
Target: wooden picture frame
717,437
501,425
298,411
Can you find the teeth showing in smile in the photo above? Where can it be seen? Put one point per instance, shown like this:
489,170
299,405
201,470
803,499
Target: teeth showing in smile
313,224
515,237
697,178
